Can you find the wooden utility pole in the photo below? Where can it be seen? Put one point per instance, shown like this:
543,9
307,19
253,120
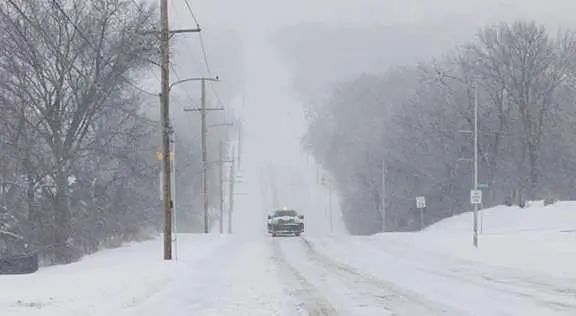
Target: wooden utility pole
167,202
327,183
231,193
205,196
330,208
221,186
166,128
240,148
221,162
203,115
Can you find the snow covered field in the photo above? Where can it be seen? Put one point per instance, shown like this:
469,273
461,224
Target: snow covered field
524,266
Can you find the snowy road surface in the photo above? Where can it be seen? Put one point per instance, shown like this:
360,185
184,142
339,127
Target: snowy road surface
391,274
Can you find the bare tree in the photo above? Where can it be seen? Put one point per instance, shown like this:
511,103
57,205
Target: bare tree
524,68
525,81
65,65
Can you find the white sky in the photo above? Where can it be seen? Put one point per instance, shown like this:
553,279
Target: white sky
267,15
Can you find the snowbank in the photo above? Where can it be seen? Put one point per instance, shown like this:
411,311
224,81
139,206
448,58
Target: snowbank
503,219
103,283
524,264
537,239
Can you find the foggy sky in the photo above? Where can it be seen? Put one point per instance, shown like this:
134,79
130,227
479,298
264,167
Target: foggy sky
323,41
279,55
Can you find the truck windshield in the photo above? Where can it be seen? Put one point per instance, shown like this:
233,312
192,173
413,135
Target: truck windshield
285,213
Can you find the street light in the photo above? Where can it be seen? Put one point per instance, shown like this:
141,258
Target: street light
175,83
475,194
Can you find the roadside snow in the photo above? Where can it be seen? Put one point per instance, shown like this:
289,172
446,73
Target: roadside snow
237,279
212,275
524,265
558,217
537,238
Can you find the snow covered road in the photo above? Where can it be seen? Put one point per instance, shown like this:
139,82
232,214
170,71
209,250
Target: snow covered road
348,290
388,274
444,284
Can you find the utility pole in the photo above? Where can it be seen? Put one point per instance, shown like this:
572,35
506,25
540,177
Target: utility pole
174,200
166,129
476,205
167,202
327,183
231,193
205,196
240,129
221,162
221,186
330,210
203,115
383,196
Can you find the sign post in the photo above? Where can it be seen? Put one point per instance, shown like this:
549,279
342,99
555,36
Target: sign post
421,205
476,201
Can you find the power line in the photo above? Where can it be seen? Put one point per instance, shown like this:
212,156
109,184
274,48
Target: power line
204,57
203,50
204,54
191,12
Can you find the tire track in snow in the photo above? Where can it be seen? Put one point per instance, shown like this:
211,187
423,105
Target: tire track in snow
394,300
557,298
309,300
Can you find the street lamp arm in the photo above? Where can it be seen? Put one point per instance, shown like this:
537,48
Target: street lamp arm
191,79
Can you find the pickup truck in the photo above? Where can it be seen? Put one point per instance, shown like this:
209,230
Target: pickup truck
285,222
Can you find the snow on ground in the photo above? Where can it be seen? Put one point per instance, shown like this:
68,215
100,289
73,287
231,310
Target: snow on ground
524,266
213,275
557,217
537,238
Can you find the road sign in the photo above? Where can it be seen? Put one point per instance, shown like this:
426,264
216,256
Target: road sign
421,202
475,197
482,186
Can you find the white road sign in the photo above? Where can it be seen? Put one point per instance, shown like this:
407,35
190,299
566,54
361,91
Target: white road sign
476,197
421,202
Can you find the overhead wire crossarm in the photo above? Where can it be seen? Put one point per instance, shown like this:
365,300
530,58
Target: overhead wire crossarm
215,108
196,30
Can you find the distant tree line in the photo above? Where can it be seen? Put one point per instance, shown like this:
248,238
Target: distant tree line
407,132
77,165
